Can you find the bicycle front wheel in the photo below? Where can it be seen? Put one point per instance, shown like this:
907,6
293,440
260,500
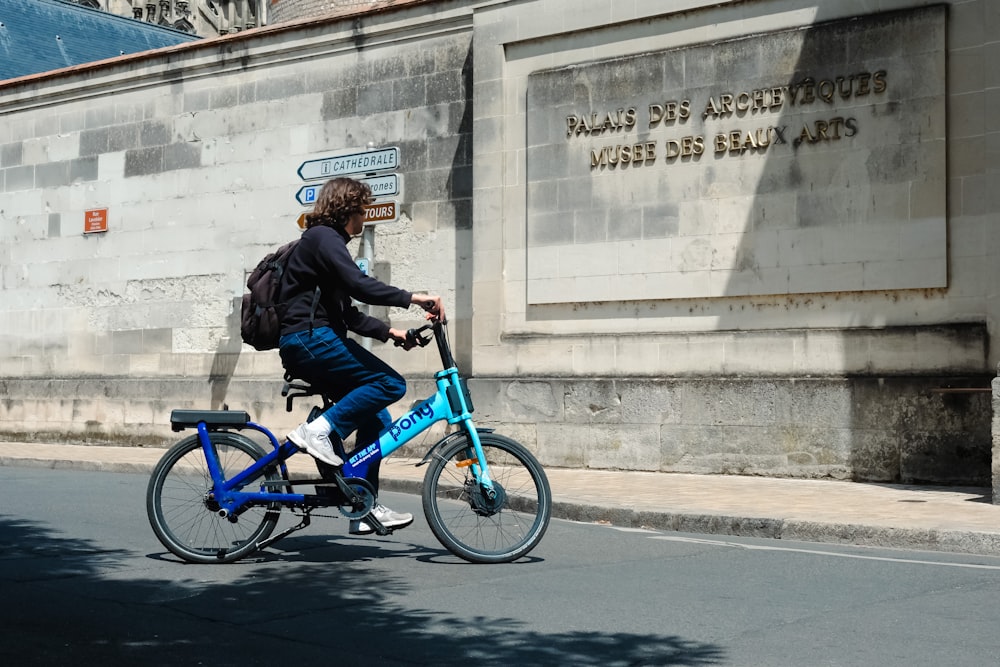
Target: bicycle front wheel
182,513
470,523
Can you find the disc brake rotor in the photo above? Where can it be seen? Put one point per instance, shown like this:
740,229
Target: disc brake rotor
482,503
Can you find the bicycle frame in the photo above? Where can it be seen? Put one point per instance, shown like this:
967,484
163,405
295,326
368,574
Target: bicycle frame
450,403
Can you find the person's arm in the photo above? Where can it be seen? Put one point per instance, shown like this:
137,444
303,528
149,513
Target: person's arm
335,260
372,327
430,303
365,325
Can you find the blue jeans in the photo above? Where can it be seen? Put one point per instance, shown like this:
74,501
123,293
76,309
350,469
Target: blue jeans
361,384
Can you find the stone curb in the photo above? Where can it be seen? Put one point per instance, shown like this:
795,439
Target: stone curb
964,542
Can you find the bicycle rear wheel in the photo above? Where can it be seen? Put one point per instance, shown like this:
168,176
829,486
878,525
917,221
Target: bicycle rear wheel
185,518
470,524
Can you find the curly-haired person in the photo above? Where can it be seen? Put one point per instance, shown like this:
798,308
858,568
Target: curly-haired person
314,344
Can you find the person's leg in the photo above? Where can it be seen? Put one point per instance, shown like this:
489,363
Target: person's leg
362,386
359,382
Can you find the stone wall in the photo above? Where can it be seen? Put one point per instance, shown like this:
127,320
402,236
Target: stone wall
190,158
862,429
747,262
824,372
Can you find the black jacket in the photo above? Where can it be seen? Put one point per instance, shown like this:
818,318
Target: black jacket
322,259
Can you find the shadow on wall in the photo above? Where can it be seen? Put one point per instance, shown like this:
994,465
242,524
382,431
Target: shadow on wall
921,430
460,198
227,355
831,193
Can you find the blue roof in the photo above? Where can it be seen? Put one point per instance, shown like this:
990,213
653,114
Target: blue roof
44,35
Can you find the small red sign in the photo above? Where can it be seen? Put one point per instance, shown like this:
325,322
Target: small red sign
95,220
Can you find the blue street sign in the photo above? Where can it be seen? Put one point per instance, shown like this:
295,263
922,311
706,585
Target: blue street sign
307,194
381,186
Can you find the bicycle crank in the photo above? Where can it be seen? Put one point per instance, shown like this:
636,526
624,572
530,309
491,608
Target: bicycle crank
359,495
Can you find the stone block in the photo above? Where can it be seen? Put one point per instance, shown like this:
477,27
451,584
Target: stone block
594,357
626,447
99,116
875,456
182,156
943,458
199,100
280,88
649,401
374,98
155,133
409,92
126,342
143,161
123,137
446,86
525,401
19,178
83,169
225,97
565,445
72,122
52,174
94,141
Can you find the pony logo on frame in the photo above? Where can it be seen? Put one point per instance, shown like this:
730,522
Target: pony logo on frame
419,414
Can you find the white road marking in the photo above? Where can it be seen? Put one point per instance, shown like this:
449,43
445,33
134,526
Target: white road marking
820,552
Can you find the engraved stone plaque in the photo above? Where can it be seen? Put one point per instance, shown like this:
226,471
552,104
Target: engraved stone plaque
800,161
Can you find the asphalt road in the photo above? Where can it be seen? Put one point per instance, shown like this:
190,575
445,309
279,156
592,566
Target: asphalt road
85,582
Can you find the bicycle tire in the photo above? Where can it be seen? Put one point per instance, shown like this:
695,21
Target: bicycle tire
182,516
465,523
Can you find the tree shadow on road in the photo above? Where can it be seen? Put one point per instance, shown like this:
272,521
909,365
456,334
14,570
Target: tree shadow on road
68,601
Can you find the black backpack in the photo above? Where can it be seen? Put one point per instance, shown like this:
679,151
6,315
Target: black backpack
260,317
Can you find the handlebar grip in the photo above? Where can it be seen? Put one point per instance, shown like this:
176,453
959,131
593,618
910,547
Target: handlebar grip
414,337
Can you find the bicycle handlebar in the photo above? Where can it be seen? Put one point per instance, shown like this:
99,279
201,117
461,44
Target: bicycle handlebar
413,336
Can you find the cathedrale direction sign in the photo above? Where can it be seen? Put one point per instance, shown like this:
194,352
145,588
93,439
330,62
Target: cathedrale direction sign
367,162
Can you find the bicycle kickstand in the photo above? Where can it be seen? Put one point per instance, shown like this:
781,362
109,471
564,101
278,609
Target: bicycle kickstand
306,520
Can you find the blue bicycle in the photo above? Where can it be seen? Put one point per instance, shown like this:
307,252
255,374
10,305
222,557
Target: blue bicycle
215,496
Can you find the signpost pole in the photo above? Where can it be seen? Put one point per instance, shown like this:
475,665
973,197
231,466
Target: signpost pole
368,252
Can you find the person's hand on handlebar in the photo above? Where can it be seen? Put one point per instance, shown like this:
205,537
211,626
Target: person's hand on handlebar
400,339
430,303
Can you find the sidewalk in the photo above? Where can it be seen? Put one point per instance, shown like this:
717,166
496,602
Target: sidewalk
953,519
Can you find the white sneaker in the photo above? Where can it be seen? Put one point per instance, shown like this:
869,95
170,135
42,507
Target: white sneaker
315,444
385,516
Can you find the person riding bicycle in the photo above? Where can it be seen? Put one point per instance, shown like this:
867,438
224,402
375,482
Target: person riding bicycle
314,345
